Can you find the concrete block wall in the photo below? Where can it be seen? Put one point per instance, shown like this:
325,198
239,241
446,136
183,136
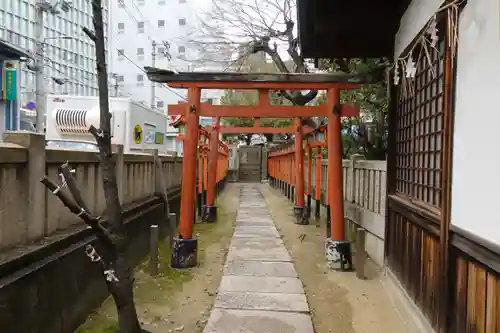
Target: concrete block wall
29,213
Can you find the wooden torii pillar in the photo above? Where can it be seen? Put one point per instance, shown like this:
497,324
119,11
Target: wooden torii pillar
185,245
210,210
207,167
316,144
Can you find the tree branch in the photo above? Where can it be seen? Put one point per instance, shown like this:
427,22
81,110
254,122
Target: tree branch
71,183
92,221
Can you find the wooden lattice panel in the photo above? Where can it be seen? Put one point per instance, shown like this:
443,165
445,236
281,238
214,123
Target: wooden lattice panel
419,130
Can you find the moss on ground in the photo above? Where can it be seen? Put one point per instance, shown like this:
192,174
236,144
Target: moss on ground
161,288
98,323
147,289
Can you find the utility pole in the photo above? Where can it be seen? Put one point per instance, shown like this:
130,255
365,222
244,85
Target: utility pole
41,7
116,85
39,88
153,62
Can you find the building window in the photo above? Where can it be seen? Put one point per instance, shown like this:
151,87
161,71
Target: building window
121,4
182,50
182,1
120,78
121,54
160,104
182,21
121,27
140,53
140,79
161,23
161,2
140,27
140,2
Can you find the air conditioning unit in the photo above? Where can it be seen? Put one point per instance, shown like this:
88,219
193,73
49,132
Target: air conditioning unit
77,121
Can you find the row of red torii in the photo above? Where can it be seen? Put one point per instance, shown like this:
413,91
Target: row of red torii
185,245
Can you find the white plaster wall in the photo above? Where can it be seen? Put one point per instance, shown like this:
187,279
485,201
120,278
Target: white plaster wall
476,153
414,19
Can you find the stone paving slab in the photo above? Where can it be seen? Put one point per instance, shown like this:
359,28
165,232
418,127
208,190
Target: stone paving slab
252,233
254,223
258,206
261,284
260,291
254,268
245,321
256,243
262,301
259,255
263,230
253,217
252,228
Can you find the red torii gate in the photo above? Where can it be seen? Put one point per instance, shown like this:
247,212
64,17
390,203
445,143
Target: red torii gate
185,246
209,210
281,154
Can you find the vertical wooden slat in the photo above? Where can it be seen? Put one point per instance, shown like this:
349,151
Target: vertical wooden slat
496,313
471,299
461,293
480,320
492,304
446,167
377,193
423,273
430,279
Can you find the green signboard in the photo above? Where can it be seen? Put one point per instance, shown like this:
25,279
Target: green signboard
10,84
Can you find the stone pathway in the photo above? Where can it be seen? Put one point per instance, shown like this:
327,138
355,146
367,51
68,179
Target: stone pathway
260,291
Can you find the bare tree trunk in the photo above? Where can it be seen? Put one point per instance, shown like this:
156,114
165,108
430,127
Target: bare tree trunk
122,288
113,261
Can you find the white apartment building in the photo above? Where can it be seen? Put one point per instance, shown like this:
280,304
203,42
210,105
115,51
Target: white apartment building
69,55
137,25
134,26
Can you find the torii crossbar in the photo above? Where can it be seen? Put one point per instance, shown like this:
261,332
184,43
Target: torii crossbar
256,128
263,109
184,246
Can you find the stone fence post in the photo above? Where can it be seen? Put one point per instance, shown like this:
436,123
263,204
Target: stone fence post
37,194
351,193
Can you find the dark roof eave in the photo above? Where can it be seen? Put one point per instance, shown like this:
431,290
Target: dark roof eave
164,76
9,51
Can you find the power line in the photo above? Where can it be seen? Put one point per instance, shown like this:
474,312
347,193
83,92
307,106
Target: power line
142,70
123,54
69,79
125,7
